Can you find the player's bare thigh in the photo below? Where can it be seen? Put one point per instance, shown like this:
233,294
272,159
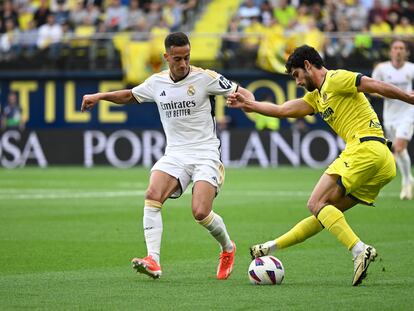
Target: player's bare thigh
326,192
203,197
161,186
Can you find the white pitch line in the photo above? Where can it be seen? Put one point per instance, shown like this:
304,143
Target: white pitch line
28,194
71,195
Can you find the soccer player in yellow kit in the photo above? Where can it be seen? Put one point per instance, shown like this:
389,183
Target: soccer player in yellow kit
361,170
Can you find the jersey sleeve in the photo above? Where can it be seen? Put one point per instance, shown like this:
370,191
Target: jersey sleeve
219,85
346,81
144,91
311,100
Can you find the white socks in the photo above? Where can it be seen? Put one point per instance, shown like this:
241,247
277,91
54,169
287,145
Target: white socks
152,222
358,248
215,225
404,165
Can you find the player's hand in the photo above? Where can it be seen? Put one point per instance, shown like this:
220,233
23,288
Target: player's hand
237,100
89,101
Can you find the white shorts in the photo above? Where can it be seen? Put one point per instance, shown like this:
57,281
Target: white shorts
404,130
187,168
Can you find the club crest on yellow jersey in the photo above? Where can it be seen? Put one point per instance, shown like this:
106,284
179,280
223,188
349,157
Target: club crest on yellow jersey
324,97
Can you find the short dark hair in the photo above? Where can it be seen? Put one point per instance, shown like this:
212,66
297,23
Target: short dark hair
302,53
176,39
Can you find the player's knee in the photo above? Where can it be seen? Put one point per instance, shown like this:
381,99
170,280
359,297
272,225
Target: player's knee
153,194
398,149
314,206
200,213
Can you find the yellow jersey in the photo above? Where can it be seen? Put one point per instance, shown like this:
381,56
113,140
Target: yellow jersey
347,111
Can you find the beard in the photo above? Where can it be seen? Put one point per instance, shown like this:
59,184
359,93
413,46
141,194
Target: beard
309,85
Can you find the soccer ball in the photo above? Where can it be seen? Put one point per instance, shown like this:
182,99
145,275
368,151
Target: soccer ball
266,270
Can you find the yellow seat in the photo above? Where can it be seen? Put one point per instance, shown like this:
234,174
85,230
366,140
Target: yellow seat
206,37
135,58
82,34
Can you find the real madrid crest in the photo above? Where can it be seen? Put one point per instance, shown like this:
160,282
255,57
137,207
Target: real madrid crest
324,97
191,90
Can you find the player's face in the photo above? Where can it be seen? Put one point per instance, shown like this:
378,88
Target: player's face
303,79
178,58
398,52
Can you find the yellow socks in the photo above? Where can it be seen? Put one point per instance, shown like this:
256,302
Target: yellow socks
299,233
333,220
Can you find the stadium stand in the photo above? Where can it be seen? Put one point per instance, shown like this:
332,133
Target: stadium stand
248,34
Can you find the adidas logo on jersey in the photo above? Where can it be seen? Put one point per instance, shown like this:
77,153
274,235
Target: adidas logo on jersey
163,93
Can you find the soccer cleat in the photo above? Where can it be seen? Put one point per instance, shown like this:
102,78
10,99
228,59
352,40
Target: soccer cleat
147,266
226,263
259,250
407,192
361,263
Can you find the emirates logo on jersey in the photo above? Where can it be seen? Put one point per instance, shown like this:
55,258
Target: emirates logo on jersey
191,90
177,109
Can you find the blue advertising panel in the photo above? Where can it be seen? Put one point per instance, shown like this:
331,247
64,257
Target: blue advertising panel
53,101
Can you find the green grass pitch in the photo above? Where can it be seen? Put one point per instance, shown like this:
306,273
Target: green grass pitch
67,236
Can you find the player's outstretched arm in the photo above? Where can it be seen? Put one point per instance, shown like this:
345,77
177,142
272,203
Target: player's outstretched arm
369,85
296,108
246,94
117,97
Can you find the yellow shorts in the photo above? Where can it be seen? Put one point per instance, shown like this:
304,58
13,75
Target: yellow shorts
364,168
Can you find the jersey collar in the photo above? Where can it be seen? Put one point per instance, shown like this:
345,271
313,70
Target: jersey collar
176,81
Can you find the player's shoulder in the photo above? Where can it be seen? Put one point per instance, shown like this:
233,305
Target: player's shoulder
204,72
410,65
311,96
337,75
340,80
382,65
164,74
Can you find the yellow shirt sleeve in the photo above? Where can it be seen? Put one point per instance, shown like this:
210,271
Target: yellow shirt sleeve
312,99
344,81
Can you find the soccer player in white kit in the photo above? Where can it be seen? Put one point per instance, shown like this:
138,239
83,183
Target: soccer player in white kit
398,116
184,96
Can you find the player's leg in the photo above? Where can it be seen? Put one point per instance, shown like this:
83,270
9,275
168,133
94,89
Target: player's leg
404,165
303,230
202,202
161,186
401,134
307,227
321,205
364,169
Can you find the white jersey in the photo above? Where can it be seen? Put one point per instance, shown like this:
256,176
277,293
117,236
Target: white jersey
186,107
396,111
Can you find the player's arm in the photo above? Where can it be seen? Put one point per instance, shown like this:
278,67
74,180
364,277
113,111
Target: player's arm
369,85
247,94
118,97
296,108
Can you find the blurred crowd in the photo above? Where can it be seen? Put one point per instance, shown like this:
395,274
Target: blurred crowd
47,27
346,32
261,34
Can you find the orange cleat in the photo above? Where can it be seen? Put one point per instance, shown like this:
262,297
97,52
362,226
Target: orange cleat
147,266
226,263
